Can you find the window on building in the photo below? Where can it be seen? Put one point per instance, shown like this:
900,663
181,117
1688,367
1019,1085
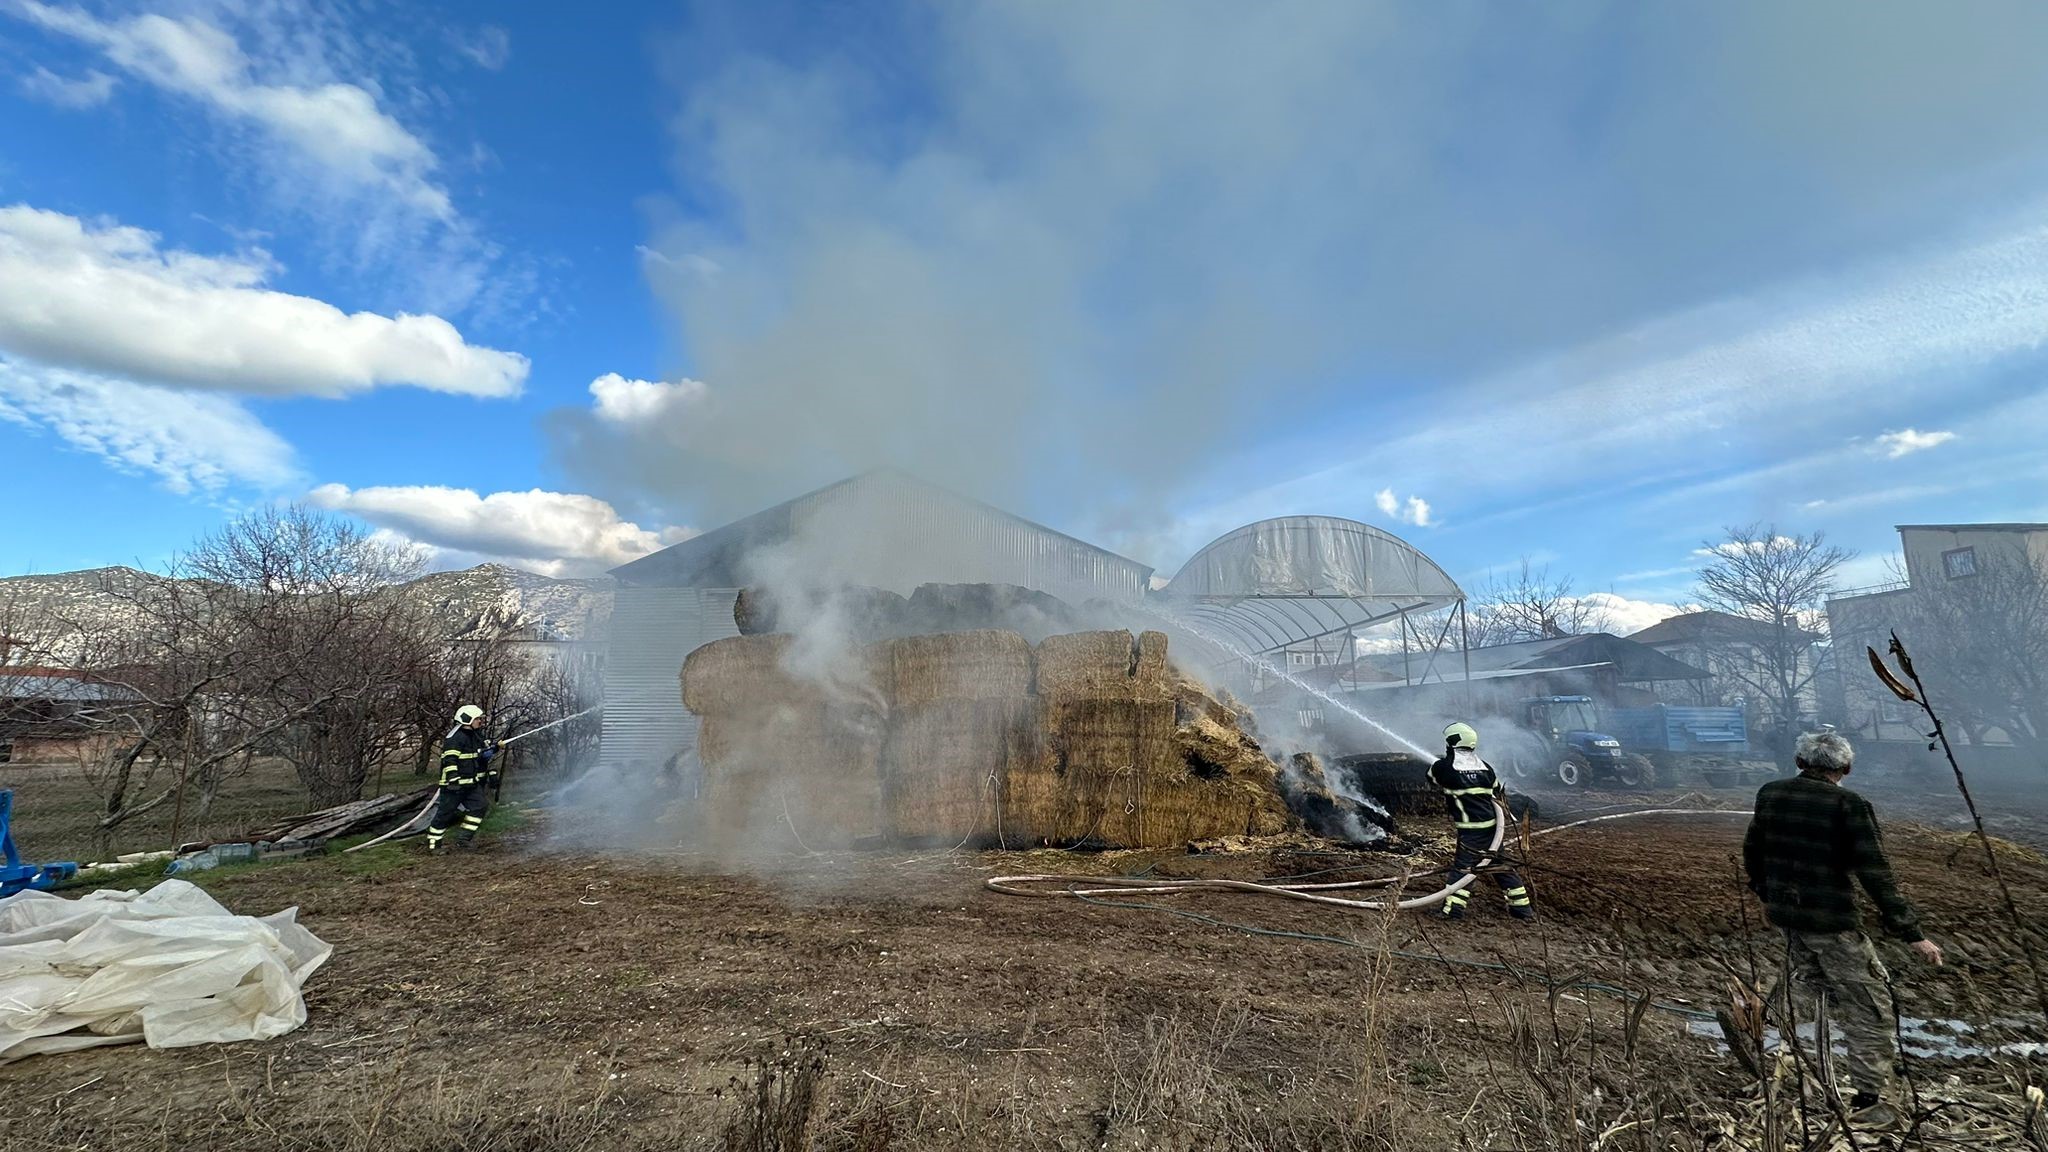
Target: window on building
1959,562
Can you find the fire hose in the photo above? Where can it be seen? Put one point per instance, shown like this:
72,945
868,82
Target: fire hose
416,824
1138,886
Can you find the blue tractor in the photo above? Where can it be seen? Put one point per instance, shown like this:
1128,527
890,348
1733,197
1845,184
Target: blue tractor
1560,739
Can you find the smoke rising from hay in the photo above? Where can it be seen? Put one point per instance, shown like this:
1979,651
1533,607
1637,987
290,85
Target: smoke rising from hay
1065,257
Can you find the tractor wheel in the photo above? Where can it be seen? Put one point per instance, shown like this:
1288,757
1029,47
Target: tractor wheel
1635,772
1521,767
1571,773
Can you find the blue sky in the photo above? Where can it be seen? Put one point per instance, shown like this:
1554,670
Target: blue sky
1579,282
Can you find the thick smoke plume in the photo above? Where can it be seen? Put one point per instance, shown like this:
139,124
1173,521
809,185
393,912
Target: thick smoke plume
1064,257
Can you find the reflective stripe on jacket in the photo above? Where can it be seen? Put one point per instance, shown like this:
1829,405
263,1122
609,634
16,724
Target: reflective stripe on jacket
462,757
1468,784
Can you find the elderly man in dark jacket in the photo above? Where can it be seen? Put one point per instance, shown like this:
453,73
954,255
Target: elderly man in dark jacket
1810,842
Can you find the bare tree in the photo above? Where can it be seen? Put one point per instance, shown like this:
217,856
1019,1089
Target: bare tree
281,634
318,604
1982,643
287,634
1774,588
1531,606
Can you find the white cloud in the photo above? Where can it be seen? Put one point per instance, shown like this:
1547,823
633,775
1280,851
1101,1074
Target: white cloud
558,533
192,443
1655,574
87,91
1731,548
1908,440
339,127
620,400
1762,374
1624,615
104,298
1415,510
488,47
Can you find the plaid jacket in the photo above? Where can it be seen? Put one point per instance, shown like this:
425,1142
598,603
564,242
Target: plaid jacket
1805,843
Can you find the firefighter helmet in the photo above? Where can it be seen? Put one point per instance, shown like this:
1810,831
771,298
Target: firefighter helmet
468,714
1461,735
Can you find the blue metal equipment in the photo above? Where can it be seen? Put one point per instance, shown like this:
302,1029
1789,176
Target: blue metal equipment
14,875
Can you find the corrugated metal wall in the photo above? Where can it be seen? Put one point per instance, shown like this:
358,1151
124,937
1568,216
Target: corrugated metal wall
652,629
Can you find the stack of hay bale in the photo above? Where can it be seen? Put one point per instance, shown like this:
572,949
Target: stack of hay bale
962,724
1106,708
780,752
974,737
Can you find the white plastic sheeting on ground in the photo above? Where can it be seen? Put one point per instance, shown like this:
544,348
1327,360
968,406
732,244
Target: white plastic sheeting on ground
169,967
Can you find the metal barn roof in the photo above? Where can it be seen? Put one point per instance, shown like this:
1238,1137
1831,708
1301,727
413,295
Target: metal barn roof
887,529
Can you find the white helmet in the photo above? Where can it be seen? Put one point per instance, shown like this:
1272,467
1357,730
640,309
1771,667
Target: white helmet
468,714
1461,735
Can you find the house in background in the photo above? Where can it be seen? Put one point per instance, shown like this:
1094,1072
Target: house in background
1737,655
56,715
1955,562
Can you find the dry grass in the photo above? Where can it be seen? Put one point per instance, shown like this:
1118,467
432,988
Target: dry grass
57,811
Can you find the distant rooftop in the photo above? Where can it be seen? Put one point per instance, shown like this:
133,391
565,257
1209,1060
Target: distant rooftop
1709,625
1634,663
1972,527
892,511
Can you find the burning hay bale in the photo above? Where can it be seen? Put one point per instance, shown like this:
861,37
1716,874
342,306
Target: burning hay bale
1121,767
863,614
1092,738
1104,666
983,665
1309,794
811,770
739,673
963,723
965,607
948,764
778,750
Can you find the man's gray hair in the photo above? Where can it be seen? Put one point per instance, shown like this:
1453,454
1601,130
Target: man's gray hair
1825,752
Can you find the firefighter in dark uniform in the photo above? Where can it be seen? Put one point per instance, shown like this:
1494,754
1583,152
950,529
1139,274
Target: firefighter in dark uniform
1476,801
466,770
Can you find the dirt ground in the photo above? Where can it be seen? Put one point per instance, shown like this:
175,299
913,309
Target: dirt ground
522,996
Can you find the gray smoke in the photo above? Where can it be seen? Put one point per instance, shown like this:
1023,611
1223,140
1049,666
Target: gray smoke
1064,256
